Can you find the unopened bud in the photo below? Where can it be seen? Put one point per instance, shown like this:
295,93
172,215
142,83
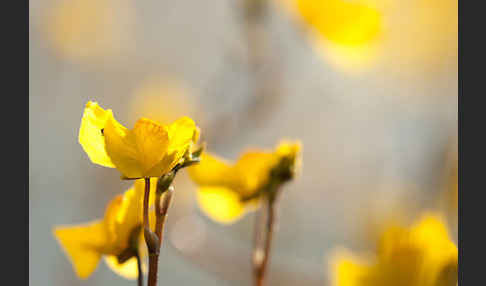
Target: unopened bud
152,241
164,182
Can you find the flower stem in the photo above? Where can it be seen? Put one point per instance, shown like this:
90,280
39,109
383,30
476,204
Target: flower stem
151,238
146,225
139,268
161,210
261,256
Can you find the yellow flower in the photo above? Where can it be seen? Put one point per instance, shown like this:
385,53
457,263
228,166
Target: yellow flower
227,191
117,234
148,150
345,33
422,255
92,31
341,22
163,100
357,35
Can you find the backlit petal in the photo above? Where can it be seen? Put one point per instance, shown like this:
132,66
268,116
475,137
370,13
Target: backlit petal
220,204
211,170
163,166
181,133
288,149
253,170
83,245
347,270
152,142
342,22
128,269
130,213
91,136
121,146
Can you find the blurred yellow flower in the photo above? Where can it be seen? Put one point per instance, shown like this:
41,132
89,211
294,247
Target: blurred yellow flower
346,33
421,255
89,30
148,150
343,22
115,236
227,191
403,37
162,99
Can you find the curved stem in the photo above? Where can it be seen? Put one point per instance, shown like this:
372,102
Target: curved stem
139,268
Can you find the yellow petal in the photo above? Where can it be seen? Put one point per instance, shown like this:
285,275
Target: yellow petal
210,171
430,229
140,190
181,134
220,204
128,269
439,252
90,133
342,22
121,147
125,213
152,142
288,149
83,245
168,162
197,133
347,270
253,170
130,213
109,221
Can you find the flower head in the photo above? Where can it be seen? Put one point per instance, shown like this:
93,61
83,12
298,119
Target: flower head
227,191
422,255
116,237
148,150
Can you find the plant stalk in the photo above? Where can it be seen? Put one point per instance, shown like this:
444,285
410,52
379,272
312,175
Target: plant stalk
139,268
161,209
261,256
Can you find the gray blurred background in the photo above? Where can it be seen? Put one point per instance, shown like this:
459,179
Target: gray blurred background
375,139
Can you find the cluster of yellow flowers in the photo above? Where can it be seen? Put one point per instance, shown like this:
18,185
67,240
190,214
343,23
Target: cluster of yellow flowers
152,152
420,255
146,152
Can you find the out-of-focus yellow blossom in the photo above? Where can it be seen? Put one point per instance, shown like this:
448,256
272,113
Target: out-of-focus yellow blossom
88,30
405,38
421,255
116,237
163,100
345,32
150,149
227,191
343,22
